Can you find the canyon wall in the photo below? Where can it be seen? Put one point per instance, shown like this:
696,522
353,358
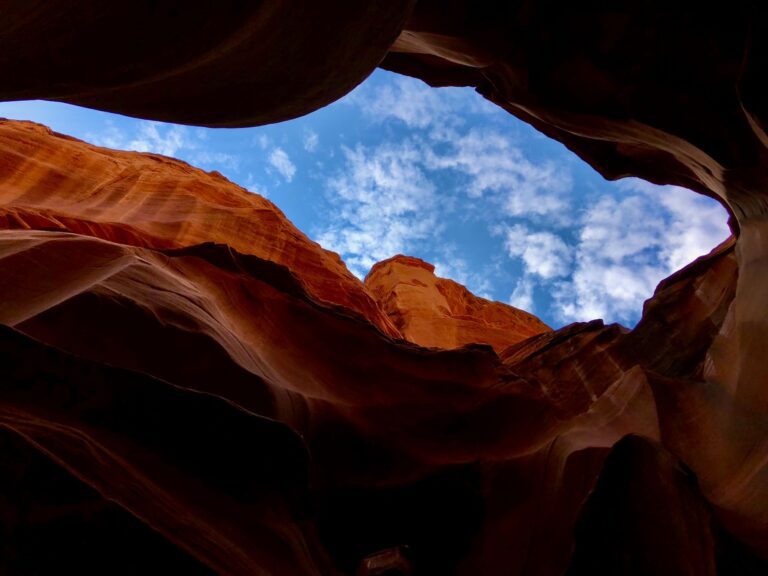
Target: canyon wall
192,385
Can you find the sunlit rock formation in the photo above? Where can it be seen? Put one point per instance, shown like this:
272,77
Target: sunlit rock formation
440,313
192,383
383,429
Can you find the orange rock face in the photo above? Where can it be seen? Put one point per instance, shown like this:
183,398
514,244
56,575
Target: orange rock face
440,313
195,387
263,318
247,389
158,202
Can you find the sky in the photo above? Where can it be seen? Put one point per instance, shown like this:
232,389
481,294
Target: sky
397,167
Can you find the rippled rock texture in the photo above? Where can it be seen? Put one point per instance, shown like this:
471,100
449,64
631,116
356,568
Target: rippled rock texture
191,385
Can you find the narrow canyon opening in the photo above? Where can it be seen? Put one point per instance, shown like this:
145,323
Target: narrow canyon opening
398,167
501,364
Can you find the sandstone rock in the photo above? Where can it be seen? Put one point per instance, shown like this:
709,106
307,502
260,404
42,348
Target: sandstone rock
645,516
170,457
440,313
280,60
50,181
479,458
46,508
134,281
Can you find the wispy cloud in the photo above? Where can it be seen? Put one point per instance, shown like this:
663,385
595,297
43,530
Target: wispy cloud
152,137
628,243
405,99
166,139
498,168
522,295
544,254
212,158
253,186
419,106
262,141
451,265
436,169
382,189
383,205
281,162
311,141
481,173
695,224
110,137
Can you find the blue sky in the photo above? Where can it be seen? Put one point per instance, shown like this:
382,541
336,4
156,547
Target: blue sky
399,167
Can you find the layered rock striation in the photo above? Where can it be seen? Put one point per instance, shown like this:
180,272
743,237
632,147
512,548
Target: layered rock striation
194,386
440,313
189,360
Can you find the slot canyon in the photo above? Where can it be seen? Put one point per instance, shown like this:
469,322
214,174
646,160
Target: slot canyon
190,385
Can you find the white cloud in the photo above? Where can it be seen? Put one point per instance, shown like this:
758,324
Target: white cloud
211,158
383,204
252,186
628,244
609,291
544,254
419,106
522,295
153,138
311,140
459,270
148,137
280,160
110,137
262,141
168,140
698,223
497,167
385,201
405,99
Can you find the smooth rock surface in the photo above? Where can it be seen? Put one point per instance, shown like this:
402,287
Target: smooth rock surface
235,63
248,388
143,303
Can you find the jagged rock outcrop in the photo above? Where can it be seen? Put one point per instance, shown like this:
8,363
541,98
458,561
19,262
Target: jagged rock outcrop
306,431
440,313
